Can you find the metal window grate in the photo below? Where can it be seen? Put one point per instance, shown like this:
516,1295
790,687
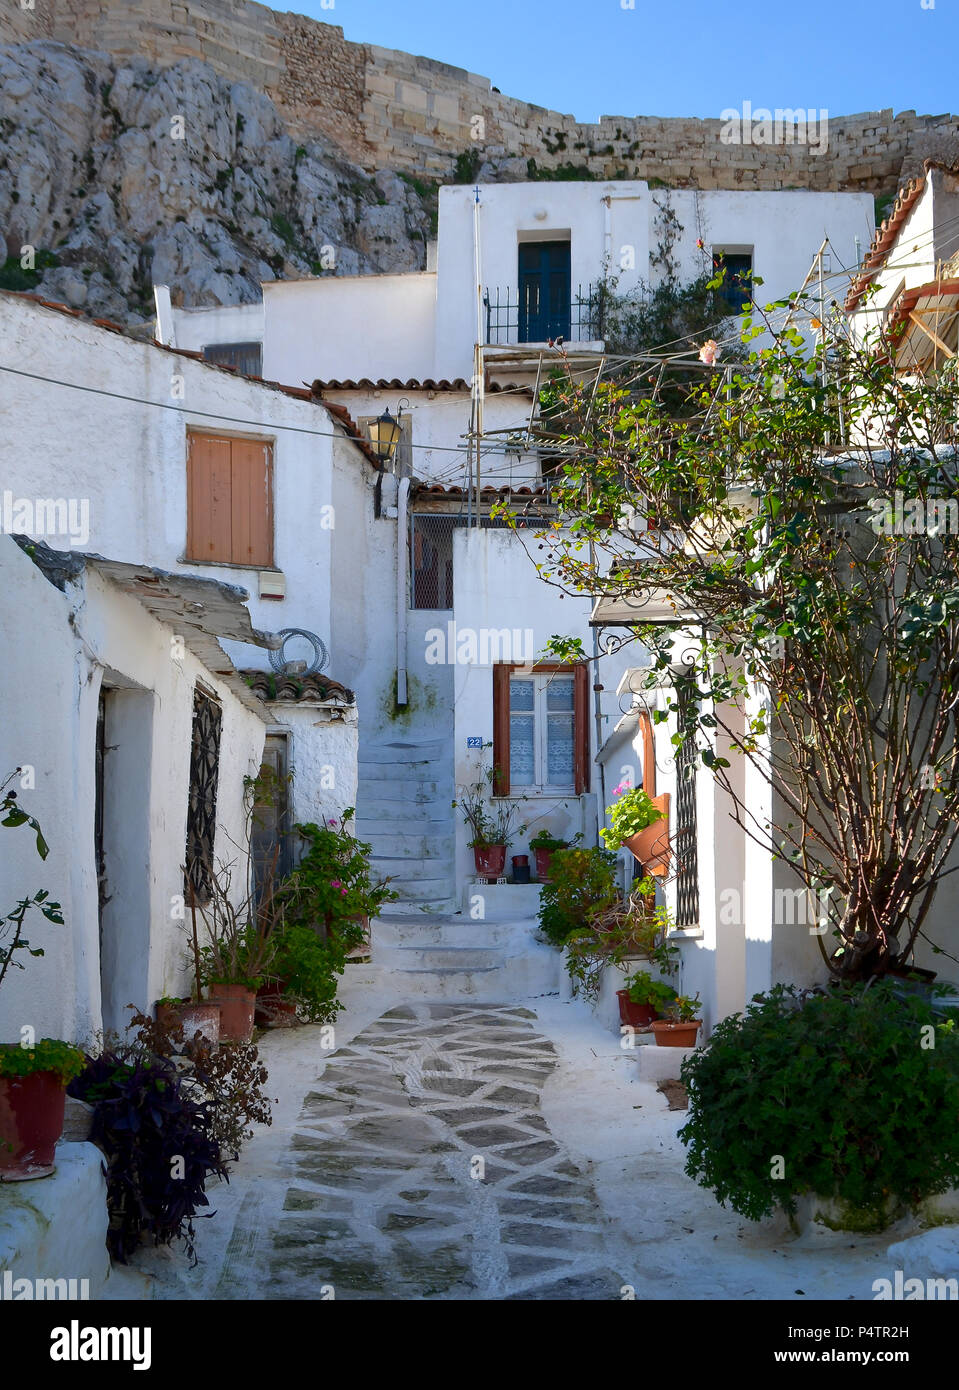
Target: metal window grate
687,858
201,809
431,555
506,325
247,358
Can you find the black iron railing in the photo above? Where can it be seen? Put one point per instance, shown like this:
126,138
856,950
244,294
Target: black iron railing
509,322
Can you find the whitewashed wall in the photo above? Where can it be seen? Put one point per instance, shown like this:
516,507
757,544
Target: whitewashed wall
127,460
95,634
346,327
496,587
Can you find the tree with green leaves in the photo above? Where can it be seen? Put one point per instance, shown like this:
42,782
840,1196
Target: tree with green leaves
798,518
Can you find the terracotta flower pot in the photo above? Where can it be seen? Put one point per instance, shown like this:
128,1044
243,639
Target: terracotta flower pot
544,858
31,1122
490,861
670,1034
651,846
203,1018
636,1015
237,1007
273,1008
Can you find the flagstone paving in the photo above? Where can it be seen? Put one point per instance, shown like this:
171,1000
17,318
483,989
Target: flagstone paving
422,1168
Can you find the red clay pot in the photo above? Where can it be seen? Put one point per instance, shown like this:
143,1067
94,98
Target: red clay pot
194,1018
273,1009
237,1007
676,1034
491,861
544,857
651,846
31,1122
636,1015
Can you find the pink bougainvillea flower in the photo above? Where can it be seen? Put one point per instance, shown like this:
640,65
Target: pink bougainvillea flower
709,351
336,883
331,821
342,892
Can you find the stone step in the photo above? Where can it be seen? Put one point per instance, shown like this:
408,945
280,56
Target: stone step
373,805
419,889
409,868
410,846
426,772
427,751
518,977
413,957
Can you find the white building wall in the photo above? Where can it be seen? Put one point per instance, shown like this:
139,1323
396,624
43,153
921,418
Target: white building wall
496,587
347,327
95,635
127,461
197,329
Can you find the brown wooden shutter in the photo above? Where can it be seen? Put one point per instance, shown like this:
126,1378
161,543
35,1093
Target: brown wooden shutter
649,754
229,501
501,675
581,727
252,503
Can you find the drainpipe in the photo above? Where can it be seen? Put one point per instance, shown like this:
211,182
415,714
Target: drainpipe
402,542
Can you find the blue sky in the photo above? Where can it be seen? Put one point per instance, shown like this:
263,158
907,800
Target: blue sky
678,57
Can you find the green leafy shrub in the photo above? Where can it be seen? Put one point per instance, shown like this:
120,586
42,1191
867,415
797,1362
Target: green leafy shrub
633,812
580,881
643,989
49,1054
845,1087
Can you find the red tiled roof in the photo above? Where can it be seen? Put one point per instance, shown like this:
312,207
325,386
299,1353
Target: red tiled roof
293,689
301,393
908,300
884,237
458,384
438,490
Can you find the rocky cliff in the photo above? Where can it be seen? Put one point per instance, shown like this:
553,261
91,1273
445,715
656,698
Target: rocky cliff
115,175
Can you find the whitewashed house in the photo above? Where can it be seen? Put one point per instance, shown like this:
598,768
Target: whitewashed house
458,352
908,287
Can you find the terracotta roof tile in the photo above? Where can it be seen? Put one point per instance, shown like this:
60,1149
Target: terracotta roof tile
458,384
292,689
884,237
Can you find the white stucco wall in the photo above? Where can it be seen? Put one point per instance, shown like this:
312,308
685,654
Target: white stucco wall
127,461
197,329
496,587
346,327
95,635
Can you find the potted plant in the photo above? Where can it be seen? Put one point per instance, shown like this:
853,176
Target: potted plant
491,827
681,1026
544,845
33,1075
319,918
643,999
639,822
193,1016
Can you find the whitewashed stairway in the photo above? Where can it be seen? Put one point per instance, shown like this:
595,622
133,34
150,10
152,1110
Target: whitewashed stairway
404,810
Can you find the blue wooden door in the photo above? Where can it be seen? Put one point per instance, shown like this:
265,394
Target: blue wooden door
544,291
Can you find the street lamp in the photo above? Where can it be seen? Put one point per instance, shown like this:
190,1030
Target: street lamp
386,433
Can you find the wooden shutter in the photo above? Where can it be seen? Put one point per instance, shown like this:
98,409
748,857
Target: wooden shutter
501,675
581,728
229,501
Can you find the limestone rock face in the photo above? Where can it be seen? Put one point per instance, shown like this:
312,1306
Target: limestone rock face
123,176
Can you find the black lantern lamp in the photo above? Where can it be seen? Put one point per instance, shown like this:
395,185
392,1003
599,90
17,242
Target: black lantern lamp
386,433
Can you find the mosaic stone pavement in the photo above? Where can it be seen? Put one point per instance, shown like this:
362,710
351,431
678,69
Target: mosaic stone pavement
386,1201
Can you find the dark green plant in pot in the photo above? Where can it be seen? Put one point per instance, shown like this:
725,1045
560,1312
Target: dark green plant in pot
856,1092
322,910
580,882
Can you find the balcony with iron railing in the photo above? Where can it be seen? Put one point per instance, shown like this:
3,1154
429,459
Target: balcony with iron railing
579,318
